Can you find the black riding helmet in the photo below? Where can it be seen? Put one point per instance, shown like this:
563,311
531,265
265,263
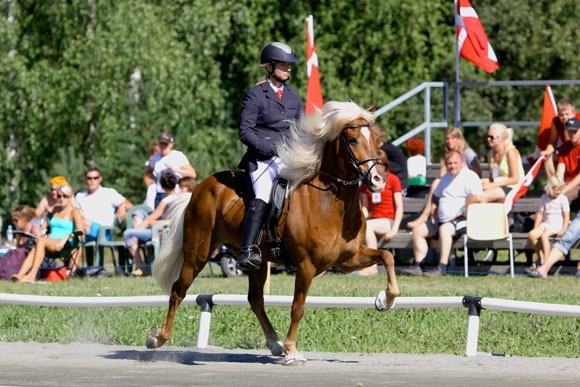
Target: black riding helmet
277,52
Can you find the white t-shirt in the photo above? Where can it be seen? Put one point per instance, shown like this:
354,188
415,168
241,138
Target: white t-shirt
158,163
453,192
100,206
417,165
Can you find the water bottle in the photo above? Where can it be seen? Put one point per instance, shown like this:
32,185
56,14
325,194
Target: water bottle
10,236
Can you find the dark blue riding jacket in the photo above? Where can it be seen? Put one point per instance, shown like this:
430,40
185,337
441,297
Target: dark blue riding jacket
264,120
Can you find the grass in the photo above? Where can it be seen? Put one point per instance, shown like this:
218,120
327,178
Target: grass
413,331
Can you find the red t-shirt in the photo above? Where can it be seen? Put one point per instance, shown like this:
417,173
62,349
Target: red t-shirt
383,205
568,154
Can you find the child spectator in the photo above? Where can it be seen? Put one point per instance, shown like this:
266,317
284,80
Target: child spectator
416,162
187,184
552,217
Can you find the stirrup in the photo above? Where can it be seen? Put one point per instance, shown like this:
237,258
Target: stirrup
248,259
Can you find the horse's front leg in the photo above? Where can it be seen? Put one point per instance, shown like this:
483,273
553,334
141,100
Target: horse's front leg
385,300
256,280
303,280
178,291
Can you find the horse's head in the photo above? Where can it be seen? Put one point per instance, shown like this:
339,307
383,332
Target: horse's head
360,143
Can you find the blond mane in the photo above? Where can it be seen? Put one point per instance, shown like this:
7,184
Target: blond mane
302,153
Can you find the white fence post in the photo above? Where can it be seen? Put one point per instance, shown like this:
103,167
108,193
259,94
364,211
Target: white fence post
474,308
206,304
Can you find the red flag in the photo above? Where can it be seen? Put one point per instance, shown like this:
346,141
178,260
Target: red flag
519,190
313,92
472,41
549,111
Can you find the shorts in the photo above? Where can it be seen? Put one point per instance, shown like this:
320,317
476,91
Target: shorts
460,224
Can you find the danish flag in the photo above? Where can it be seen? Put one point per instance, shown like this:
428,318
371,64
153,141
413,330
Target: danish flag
472,41
313,91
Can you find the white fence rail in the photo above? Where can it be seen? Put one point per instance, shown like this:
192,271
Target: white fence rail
207,301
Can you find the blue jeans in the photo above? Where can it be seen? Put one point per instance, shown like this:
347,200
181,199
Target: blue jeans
143,234
570,237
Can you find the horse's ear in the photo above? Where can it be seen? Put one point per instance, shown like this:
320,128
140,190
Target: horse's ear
373,108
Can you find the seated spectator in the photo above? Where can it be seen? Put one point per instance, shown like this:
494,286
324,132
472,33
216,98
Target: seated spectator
568,166
142,231
447,215
454,140
168,159
65,220
186,184
558,133
397,160
11,262
552,217
48,202
505,164
384,211
100,206
416,162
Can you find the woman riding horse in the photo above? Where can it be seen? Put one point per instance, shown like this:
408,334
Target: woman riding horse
329,153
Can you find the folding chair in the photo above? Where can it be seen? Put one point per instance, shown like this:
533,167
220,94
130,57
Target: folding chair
50,269
487,222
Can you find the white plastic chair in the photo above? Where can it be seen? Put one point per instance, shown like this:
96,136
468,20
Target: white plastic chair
487,222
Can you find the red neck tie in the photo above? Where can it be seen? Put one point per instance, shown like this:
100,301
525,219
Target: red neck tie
279,93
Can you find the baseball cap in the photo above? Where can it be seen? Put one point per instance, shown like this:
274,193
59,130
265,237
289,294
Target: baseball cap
58,180
165,137
573,124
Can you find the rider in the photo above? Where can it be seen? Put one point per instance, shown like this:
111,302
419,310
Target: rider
267,111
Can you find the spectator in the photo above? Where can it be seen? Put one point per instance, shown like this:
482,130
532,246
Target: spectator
66,219
148,179
186,184
568,166
558,133
552,217
11,262
416,162
167,159
98,205
447,215
505,164
384,212
397,160
142,231
48,202
454,140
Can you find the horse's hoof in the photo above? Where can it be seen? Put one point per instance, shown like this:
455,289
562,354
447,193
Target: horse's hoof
152,341
294,360
382,303
276,348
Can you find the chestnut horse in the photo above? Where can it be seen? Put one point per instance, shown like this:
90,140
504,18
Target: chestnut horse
329,153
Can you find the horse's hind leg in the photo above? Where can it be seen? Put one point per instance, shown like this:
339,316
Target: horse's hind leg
193,262
257,278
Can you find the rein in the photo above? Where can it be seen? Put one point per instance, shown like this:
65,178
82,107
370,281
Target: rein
362,176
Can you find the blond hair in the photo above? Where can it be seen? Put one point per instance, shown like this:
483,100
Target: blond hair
552,183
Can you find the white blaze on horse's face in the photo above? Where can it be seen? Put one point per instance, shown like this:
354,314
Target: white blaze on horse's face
378,182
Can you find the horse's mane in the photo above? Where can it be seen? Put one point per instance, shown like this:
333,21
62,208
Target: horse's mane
302,153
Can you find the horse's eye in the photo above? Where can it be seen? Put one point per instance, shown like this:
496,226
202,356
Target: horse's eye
352,141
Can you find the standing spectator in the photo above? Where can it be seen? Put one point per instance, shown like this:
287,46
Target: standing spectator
552,217
267,111
148,179
568,167
558,133
384,212
454,140
99,206
416,162
447,215
167,159
142,231
66,219
48,202
505,164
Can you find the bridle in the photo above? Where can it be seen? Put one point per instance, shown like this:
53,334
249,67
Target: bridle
365,177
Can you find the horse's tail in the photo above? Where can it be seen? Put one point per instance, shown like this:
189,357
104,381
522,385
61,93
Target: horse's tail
167,266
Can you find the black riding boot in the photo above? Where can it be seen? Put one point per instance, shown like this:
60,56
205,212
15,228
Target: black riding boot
253,222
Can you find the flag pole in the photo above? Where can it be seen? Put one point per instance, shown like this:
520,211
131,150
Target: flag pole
456,97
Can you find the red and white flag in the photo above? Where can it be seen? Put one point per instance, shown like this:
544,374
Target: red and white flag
472,41
549,111
313,91
520,190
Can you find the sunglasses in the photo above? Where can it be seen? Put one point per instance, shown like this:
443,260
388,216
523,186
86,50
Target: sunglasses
490,137
60,196
92,177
